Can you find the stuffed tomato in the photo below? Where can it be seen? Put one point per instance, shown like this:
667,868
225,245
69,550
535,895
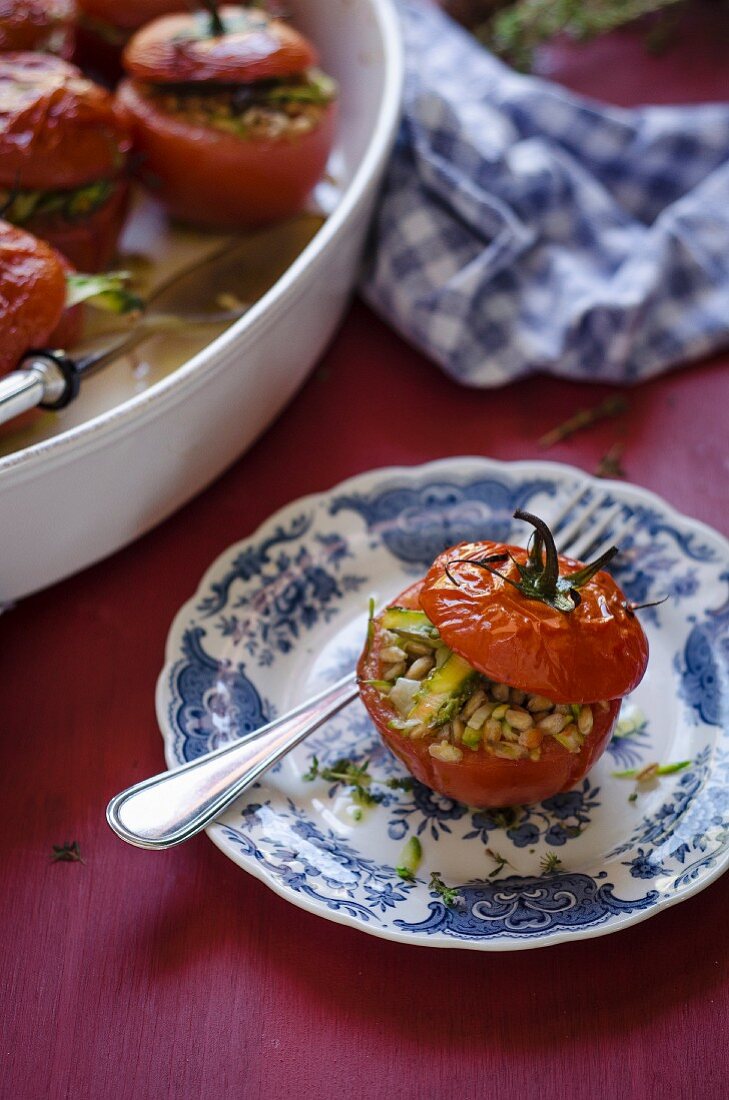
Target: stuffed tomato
63,150
32,290
232,122
497,679
44,25
105,27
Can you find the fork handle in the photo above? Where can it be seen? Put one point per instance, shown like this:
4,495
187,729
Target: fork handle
171,807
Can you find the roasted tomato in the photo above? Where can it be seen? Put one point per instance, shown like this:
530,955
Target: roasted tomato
44,25
105,27
497,680
32,293
63,150
232,124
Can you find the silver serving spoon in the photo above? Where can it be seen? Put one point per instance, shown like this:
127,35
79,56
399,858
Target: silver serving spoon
175,805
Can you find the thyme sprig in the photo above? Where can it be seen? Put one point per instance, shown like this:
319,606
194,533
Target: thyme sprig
350,774
585,418
449,895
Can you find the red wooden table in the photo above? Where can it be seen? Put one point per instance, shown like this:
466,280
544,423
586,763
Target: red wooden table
136,974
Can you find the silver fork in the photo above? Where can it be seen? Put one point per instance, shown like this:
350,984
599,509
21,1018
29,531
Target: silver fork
175,805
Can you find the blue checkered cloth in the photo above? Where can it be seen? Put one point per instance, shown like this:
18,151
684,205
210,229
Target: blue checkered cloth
523,228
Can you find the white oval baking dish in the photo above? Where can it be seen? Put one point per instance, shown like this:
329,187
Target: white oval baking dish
69,500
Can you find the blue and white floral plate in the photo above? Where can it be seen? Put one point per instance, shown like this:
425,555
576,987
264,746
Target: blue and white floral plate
282,613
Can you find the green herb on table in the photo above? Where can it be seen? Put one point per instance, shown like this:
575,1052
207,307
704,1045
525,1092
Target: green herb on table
67,853
516,28
609,465
448,894
585,418
410,859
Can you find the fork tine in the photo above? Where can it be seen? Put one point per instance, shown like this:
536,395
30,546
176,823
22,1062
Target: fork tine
616,537
560,517
569,534
582,545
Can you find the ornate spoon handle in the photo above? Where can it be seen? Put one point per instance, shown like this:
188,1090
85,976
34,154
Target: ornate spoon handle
175,805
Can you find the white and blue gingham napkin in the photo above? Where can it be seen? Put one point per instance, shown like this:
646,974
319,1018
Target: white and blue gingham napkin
524,228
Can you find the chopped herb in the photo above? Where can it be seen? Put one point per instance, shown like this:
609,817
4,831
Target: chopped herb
410,858
448,894
66,853
633,797
651,770
550,863
350,774
20,206
313,771
501,862
505,818
584,418
403,784
370,625
108,292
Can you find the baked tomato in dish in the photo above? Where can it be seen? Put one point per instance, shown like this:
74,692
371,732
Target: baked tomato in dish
32,293
105,27
497,679
63,157
44,25
232,122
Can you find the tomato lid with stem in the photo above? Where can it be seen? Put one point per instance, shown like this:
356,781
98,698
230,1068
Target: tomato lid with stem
537,620
226,45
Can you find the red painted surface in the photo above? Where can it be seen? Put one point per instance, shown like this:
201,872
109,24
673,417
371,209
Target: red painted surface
142,975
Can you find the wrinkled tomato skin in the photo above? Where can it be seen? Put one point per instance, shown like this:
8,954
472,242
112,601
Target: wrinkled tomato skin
33,293
597,651
58,131
89,243
480,779
217,180
169,50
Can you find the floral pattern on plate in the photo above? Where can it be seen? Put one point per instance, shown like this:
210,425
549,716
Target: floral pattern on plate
283,613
